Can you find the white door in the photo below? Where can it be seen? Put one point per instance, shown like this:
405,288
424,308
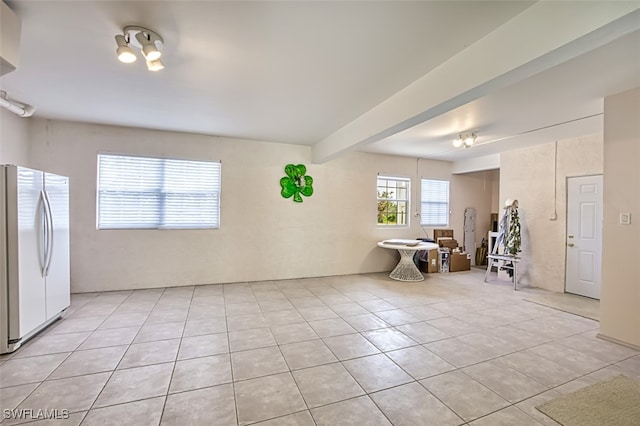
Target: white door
584,235
57,271
26,292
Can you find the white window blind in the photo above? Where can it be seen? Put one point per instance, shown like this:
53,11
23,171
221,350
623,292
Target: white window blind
434,203
151,193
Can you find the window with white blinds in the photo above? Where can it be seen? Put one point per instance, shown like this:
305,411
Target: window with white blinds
152,193
434,203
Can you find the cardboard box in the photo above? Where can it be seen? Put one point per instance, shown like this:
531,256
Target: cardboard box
439,233
434,261
444,238
450,244
429,261
459,262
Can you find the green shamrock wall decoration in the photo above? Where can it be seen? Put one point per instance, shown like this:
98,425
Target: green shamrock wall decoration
295,183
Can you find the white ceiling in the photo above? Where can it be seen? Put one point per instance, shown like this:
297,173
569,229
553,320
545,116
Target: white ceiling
296,72
562,102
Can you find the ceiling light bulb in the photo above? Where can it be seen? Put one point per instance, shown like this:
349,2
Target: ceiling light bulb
469,140
457,142
124,52
156,65
151,53
126,55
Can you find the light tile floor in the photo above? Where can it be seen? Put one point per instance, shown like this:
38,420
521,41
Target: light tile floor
358,349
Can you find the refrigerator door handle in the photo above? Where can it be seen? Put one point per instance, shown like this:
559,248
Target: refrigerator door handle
45,237
47,264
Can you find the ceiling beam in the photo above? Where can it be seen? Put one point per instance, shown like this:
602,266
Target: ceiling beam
541,37
476,164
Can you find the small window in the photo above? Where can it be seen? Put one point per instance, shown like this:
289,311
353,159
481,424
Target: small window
157,193
434,203
393,201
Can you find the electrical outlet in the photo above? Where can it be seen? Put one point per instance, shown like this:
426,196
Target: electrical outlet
625,218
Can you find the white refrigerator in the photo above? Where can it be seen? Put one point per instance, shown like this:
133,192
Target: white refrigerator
34,252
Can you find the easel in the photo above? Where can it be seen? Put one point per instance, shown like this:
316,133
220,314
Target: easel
504,261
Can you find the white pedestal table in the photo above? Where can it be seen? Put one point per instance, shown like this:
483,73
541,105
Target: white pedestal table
406,269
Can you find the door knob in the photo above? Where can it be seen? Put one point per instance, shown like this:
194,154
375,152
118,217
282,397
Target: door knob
570,244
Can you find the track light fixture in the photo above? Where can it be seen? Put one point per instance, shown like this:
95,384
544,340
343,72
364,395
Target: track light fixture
466,139
18,108
148,41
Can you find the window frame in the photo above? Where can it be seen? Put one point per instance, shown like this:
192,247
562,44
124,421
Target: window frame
423,203
406,200
162,195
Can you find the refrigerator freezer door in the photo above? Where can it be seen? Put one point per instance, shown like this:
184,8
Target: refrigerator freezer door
25,257
57,280
4,274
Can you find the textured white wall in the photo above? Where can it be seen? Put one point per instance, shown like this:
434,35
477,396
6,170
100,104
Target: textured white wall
528,175
620,299
14,139
262,235
495,191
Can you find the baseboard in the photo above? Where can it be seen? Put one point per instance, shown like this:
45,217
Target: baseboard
619,342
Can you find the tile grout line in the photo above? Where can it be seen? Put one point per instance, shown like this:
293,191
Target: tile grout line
175,361
233,382
116,367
